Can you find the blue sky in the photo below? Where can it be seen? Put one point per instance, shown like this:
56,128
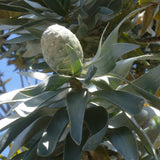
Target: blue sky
14,83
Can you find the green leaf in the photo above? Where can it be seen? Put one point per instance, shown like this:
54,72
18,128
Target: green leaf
97,126
26,25
113,36
151,99
76,105
123,119
27,107
72,150
56,6
20,124
126,101
36,5
12,8
5,122
75,60
20,39
107,60
90,73
12,96
124,141
123,66
67,5
38,125
148,81
49,140
49,84
31,153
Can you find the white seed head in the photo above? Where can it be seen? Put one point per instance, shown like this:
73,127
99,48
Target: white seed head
53,43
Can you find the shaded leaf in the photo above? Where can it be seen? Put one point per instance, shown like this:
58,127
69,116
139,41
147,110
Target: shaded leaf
31,153
36,5
126,101
151,99
97,126
56,6
49,140
123,120
12,8
76,105
72,150
124,141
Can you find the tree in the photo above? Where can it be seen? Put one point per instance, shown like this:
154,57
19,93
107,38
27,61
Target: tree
100,109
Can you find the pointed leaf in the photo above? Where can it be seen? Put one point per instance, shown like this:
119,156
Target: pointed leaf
49,84
90,73
27,133
27,107
20,39
20,124
151,99
107,61
12,8
123,66
124,141
113,36
56,6
49,140
98,126
76,105
123,120
75,60
148,81
36,5
12,96
126,101
72,150
8,120
31,153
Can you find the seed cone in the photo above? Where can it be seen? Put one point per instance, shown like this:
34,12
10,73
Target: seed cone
53,43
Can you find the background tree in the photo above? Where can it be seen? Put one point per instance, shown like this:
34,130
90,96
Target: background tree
120,81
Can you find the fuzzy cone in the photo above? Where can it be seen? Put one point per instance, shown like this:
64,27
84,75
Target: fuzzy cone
53,43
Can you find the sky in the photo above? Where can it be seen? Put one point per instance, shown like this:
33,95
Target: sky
15,82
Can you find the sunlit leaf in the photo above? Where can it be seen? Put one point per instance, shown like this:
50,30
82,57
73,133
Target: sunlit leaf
28,132
49,84
20,39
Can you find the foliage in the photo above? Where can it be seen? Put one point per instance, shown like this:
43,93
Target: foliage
102,113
